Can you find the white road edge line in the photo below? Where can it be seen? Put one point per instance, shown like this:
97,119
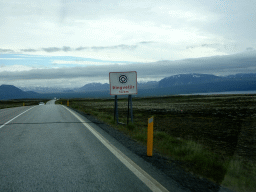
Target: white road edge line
139,172
15,117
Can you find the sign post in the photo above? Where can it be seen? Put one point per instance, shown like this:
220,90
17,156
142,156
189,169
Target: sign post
123,83
116,111
130,113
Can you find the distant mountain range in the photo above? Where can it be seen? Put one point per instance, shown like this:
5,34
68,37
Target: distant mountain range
86,88
199,79
203,83
12,92
46,89
93,87
176,84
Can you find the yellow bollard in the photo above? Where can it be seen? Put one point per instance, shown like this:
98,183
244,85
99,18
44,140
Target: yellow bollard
61,102
23,104
150,137
67,102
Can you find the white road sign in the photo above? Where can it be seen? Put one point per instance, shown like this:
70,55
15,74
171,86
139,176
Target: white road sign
123,83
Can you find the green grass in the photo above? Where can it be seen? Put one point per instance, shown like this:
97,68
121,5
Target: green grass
241,175
130,126
232,172
142,138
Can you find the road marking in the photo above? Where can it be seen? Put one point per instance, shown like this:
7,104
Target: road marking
140,173
15,117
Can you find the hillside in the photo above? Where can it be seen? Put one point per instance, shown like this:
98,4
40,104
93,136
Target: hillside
12,92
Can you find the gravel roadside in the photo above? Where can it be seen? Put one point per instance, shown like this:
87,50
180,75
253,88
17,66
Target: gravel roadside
185,179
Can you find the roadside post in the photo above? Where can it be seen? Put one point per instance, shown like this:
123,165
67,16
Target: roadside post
150,137
67,102
123,83
23,104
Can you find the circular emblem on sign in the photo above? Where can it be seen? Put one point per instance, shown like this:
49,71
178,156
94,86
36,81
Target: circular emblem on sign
123,79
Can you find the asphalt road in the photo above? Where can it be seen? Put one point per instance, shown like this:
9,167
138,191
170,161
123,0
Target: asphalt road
52,148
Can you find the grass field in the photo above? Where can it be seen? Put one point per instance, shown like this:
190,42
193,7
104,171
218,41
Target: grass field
211,136
20,102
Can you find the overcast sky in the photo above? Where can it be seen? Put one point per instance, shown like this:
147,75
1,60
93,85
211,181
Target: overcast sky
69,43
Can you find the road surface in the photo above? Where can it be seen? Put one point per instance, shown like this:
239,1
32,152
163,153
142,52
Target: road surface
52,148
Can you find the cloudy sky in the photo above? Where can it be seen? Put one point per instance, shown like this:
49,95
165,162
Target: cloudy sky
69,43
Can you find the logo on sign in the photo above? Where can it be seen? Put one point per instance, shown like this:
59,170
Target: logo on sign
123,79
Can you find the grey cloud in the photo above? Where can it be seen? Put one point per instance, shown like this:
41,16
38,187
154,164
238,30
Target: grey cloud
6,50
190,47
95,48
122,46
98,48
51,49
146,42
81,48
249,49
130,47
28,50
203,45
208,45
66,49
218,65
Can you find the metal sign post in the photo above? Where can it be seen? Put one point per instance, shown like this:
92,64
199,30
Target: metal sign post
123,83
116,111
129,106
